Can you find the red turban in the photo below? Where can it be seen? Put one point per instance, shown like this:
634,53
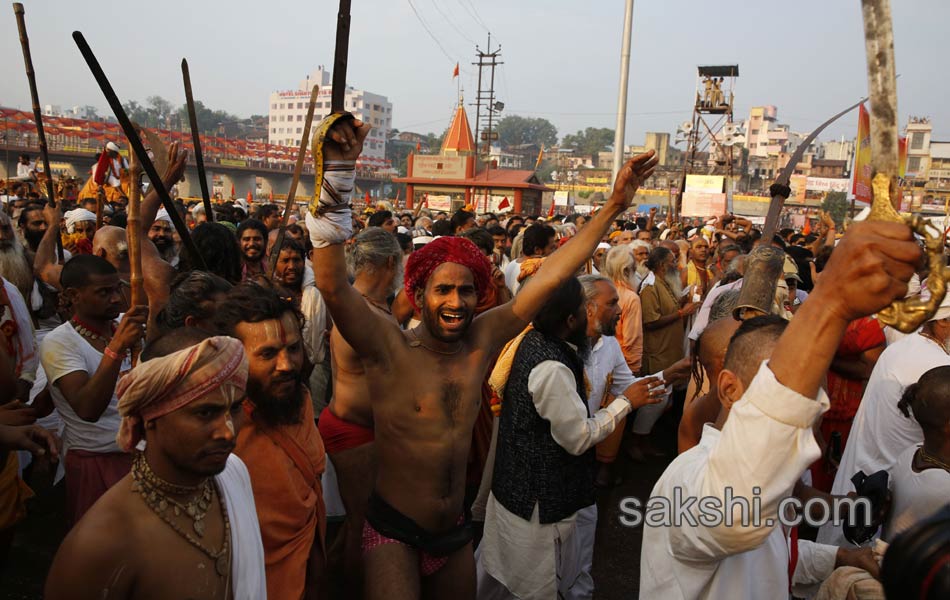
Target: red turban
461,251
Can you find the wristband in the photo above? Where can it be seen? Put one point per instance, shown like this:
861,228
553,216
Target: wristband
111,354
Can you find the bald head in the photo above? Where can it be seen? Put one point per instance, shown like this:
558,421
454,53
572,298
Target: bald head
751,344
111,244
713,344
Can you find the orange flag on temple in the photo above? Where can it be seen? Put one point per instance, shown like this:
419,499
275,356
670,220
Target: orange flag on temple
232,190
455,73
368,201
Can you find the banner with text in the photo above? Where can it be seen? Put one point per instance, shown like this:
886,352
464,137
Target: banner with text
703,204
862,158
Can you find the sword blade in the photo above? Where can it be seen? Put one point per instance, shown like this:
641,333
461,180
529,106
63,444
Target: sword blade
340,57
196,141
882,85
775,206
136,142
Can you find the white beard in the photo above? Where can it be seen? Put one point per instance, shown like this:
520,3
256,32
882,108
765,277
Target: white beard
15,268
672,277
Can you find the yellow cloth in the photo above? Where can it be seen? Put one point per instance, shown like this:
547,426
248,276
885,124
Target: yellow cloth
13,493
499,375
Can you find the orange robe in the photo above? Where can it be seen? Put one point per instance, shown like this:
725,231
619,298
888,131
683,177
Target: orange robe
285,464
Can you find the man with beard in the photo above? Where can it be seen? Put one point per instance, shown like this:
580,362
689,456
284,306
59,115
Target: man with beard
252,235
15,265
162,235
346,425
415,539
663,333
80,227
269,215
384,219
279,441
182,524
289,273
641,252
543,477
82,359
32,225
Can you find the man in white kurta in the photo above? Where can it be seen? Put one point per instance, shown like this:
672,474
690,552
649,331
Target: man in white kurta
880,433
766,441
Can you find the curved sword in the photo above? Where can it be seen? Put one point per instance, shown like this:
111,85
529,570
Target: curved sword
775,207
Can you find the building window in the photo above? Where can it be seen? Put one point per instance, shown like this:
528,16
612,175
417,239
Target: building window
299,130
282,106
300,105
300,117
913,162
917,141
273,106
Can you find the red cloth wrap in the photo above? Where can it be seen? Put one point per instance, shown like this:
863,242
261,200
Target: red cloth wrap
339,435
423,262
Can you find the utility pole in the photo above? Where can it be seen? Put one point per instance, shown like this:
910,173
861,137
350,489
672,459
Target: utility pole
485,103
622,95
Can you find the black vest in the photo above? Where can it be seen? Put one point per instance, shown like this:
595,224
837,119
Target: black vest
529,465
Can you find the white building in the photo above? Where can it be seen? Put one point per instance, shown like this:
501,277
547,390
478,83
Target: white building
288,111
842,149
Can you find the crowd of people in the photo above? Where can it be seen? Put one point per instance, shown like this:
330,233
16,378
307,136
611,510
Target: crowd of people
413,404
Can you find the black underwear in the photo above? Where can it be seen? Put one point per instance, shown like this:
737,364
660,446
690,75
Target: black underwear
393,524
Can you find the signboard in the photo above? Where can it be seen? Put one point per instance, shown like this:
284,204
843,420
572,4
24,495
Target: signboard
703,204
439,167
798,183
862,158
232,162
705,183
826,184
750,206
560,198
439,203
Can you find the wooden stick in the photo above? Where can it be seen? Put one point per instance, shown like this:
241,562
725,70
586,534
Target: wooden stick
196,141
134,233
298,168
37,111
100,202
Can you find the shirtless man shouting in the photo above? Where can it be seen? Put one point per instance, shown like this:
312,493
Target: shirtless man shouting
425,383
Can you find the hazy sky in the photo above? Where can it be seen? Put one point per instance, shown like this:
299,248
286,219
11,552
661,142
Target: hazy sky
561,56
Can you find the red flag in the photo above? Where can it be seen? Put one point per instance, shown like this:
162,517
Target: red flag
250,197
551,212
418,146
806,230
455,73
504,203
366,198
271,195
232,190
425,199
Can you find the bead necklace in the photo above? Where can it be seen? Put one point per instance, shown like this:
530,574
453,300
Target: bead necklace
156,493
91,333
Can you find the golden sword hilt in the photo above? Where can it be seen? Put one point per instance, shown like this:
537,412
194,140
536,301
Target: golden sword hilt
910,313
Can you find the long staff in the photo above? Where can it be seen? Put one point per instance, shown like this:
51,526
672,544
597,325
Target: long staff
196,141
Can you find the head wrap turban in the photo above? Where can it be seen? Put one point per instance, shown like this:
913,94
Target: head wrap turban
162,215
162,385
423,262
77,216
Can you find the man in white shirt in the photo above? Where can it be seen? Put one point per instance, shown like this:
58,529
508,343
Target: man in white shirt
544,466
880,433
82,359
539,241
25,169
766,441
920,478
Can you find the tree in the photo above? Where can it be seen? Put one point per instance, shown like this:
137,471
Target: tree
158,110
514,130
209,121
590,141
836,205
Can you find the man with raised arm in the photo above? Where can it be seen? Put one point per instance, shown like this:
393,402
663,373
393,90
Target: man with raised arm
763,440
415,540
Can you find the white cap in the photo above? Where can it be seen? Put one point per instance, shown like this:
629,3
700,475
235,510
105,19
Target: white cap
111,146
241,203
162,215
603,246
78,215
402,229
197,209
